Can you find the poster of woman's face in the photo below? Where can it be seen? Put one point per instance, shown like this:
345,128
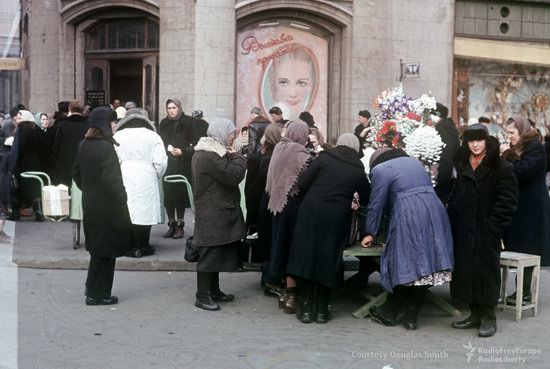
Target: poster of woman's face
285,67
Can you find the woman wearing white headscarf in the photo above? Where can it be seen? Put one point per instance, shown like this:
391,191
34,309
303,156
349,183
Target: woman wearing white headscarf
323,226
219,224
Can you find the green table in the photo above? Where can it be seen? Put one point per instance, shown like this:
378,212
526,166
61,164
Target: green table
376,251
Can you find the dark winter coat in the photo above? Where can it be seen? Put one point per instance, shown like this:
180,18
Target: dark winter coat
106,218
27,155
180,134
362,140
255,185
324,218
529,231
256,130
264,216
445,179
70,131
480,208
218,216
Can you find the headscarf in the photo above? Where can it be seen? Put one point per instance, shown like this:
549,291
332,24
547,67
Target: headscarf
38,119
178,104
26,116
349,140
289,159
272,136
526,133
219,129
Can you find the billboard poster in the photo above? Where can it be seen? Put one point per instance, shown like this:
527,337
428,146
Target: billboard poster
282,66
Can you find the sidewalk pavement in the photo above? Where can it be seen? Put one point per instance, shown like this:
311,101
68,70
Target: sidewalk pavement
156,325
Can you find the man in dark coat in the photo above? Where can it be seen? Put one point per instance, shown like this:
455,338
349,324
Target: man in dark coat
256,129
480,208
445,169
70,131
104,203
362,129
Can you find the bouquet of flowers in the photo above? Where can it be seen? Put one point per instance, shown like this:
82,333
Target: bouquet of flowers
392,103
425,144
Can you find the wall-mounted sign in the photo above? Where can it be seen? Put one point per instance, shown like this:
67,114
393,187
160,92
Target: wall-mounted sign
12,64
95,97
410,70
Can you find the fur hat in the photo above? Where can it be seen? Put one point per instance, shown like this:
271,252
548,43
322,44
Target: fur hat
101,118
475,132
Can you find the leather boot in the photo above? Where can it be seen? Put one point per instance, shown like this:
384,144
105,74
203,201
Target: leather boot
322,304
306,299
171,230
488,325
15,214
416,297
291,301
386,313
471,321
215,292
178,233
148,251
204,301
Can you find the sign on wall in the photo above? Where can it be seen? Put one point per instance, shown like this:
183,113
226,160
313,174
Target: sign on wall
282,66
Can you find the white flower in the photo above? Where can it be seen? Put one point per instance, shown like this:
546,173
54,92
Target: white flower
424,102
425,144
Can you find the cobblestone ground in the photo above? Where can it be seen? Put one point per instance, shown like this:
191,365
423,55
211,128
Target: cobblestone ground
156,325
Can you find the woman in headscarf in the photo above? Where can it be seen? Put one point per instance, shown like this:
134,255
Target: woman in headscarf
480,208
289,159
419,246
323,225
257,214
176,131
219,222
529,231
104,203
27,155
142,160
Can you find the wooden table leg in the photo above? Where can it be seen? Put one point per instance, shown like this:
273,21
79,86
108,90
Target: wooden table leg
450,309
363,311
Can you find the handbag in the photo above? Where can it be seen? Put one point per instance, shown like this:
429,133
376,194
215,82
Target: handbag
191,251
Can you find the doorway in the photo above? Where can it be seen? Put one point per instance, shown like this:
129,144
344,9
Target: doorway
126,76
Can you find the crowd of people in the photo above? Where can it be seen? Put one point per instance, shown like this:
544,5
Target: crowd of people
300,195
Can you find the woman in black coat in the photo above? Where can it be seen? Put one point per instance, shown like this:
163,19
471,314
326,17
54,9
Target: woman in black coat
27,155
324,223
104,203
219,221
179,137
529,231
480,208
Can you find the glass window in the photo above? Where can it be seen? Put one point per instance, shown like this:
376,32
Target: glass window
123,35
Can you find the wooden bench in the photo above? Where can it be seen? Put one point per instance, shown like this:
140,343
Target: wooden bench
376,251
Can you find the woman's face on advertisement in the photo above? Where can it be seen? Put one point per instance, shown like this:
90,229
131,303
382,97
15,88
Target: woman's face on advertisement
294,83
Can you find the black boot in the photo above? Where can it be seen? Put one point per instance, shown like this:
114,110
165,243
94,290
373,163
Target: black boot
471,321
38,217
387,312
322,304
171,230
527,297
488,325
306,296
215,292
416,297
178,233
204,301
15,214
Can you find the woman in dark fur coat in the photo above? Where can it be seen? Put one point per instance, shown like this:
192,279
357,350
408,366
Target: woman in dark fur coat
480,208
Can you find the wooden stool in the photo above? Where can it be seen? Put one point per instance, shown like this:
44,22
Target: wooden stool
519,261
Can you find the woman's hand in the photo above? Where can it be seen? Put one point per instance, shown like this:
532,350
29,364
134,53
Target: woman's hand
230,150
367,241
176,152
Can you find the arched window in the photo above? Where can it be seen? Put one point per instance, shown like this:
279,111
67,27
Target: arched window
120,35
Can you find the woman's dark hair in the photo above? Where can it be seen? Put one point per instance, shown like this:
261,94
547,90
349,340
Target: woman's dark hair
276,110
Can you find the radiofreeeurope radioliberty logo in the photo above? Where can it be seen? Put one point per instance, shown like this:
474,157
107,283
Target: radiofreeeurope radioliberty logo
470,349
499,354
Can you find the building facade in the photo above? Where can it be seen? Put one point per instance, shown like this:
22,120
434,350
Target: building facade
225,56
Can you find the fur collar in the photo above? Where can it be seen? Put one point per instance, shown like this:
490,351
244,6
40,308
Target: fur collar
209,144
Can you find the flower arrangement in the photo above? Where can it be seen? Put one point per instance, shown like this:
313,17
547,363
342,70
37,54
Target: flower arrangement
425,144
392,103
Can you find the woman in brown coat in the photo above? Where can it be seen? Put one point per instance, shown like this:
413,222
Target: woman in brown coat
219,224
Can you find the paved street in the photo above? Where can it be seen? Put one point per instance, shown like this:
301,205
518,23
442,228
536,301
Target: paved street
156,325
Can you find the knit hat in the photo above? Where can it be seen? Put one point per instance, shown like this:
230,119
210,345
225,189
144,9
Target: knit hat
475,132
101,118
364,114
120,112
